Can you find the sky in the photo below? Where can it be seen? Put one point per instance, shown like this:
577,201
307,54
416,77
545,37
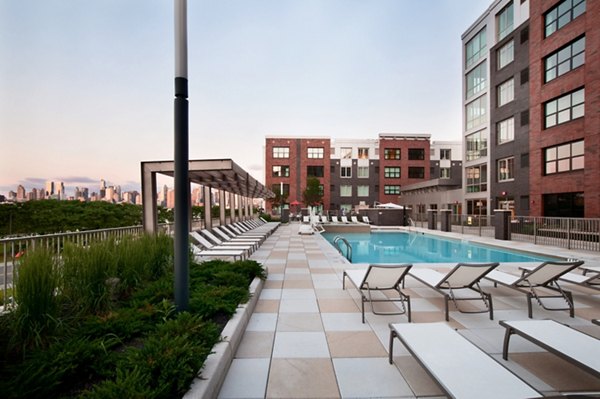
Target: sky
86,87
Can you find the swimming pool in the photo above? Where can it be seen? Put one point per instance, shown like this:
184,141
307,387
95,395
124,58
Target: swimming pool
400,247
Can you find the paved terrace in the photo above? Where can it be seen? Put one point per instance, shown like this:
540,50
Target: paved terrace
305,338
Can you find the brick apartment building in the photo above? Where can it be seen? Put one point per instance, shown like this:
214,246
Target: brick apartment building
353,173
565,108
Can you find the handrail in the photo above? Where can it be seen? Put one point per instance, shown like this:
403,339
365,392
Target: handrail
348,254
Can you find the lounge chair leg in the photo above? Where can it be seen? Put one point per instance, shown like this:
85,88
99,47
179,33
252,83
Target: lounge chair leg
409,310
529,306
344,281
363,308
491,308
446,307
391,352
507,334
571,305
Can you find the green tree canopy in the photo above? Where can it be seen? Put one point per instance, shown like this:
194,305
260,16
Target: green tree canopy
313,194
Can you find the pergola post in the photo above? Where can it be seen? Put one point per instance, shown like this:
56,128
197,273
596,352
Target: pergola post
221,207
232,207
239,204
207,208
149,197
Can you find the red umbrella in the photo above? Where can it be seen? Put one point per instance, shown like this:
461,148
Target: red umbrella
295,203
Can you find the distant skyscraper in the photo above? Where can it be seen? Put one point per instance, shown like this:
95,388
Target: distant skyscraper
49,189
21,193
102,193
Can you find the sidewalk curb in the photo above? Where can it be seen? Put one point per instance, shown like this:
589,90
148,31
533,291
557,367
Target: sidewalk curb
209,380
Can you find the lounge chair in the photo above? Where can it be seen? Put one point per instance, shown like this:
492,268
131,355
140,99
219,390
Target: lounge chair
460,368
324,219
366,219
334,219
234,231
305,219
576,347
354,219
253,244
379,278
200,254
531,282
344,219
464,276
212,247
226,237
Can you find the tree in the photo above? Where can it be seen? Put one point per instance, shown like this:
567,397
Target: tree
313,194
279,199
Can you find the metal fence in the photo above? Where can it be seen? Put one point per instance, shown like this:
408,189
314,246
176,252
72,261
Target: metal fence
581,234
578,234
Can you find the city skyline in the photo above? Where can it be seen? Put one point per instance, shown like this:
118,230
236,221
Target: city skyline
90,85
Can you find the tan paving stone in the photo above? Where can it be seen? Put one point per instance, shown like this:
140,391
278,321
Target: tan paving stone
417,378
297,283
267,306
299,322
355,344
302,378
338,306
256,344
273,284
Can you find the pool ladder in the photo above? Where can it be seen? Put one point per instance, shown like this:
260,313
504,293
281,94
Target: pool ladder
348,253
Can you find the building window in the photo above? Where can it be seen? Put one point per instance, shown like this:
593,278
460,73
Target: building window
505,54
565,108
391,153
504,22
525,160
445,153
506,92
505,130
345,191
315,152
281,171
362,191
444,173
363,172
476,79
391,172
524,76
363,153
506,169
562,14
525,117
476,178
476,112
416,172
391,190
564,158
346,171
416,154
321,189
346,152
276,188
570,205
476,146
475,48
567,58
315,171
281,152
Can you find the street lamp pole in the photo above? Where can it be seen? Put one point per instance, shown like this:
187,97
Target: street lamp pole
182,186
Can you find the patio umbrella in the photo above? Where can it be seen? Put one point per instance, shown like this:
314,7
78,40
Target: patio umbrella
294,203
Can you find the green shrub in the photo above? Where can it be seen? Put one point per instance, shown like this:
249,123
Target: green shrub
36,313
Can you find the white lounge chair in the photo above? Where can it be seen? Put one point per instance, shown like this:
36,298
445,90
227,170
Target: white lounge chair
379,278
344,219
324,219
354,219
574,346
226,237
208,246
463,277
200,254
334,219
460,368
545,275
366,219
253,244
305,219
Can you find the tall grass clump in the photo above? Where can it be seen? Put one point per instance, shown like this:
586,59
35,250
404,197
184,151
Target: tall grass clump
37,305
143,258
85,271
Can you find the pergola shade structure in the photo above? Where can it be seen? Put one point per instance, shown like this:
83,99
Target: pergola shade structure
220,174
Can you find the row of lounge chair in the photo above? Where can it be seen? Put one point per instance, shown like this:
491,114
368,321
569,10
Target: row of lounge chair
341,219
236,240
461,369
462,283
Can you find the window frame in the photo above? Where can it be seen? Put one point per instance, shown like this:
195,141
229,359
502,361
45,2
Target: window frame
503,52
508,133
344,190
569,15
559,160
505,92
391,189
344,170
475,112
391,172
345,152
556,65
552,108
473,53
396,152
481,151
315,167
477,184
363,152
280,152
506,14
315,152
362,176
476,80
509,166
281,169
413,169
360,190
416,154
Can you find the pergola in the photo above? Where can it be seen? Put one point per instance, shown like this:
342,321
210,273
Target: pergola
213,174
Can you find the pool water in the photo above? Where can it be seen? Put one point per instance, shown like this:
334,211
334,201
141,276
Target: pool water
399,247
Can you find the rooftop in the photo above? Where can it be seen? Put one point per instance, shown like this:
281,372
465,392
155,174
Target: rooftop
305,337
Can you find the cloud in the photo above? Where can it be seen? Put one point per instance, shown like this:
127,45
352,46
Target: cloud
78,179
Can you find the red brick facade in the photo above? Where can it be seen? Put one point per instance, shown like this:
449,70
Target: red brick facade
404,144
586,128
298,161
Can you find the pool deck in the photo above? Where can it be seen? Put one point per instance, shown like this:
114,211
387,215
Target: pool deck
305,338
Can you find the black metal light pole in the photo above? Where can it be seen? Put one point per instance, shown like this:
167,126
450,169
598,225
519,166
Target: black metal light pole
182,186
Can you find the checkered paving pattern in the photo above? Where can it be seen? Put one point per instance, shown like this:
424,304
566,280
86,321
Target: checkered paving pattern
305,338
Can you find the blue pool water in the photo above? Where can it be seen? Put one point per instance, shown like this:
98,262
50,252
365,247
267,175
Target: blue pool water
420,248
